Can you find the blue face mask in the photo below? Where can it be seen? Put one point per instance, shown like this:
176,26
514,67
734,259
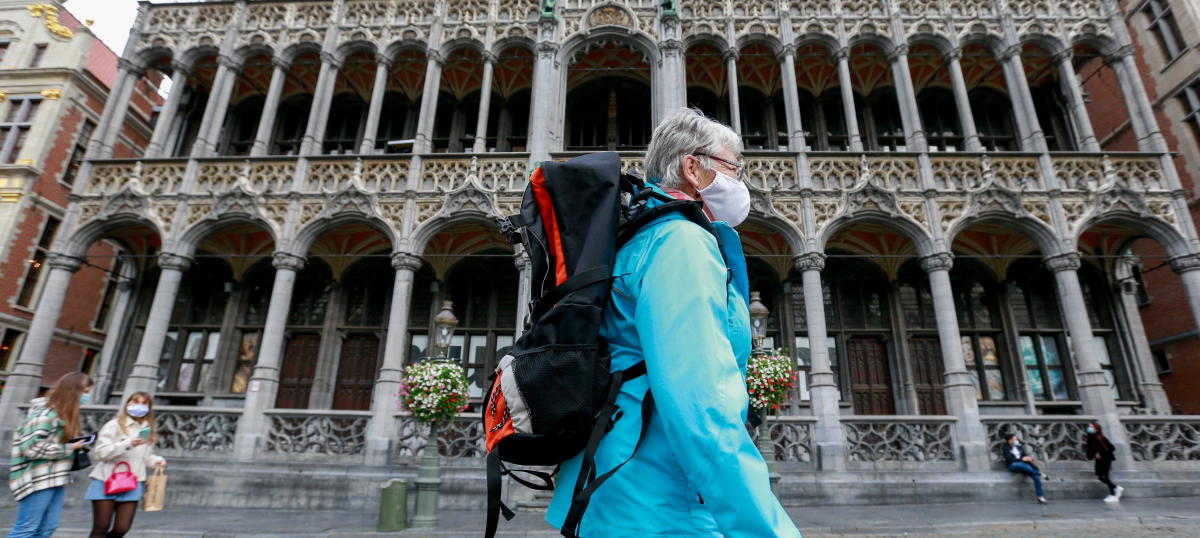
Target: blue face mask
1016,443
85,398
1091,429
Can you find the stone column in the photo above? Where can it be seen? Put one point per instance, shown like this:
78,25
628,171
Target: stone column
673,94
1074,94
829,437
1094,391
26,375
961,400
1032,138
791,100
162,129
910,116
735,108
1154,397
113,337
385,399
545,91
1188,268
217,124
962,101
1141,114
144,375
521,260
485,102
429,98
264,382
266,122
847,88
200,145
318,115
383,66
127,81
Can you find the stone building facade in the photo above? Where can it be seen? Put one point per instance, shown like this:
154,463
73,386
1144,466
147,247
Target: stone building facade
54,79
935,229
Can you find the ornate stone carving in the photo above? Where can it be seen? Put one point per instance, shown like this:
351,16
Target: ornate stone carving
316,434
50,12
899,441
352,199
468,199
1118,198
128,201
810,261
292,262
871,198
240,200
942,261
1049,440
1163,439
609,15
403,261
1069,261
174,262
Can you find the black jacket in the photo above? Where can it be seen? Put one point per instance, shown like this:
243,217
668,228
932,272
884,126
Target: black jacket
1094,444
1009,458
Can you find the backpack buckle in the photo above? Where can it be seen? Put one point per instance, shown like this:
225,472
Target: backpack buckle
509,230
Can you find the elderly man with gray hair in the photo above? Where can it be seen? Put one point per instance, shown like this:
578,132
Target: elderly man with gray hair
680,303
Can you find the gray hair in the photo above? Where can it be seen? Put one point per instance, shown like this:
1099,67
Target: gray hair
685,132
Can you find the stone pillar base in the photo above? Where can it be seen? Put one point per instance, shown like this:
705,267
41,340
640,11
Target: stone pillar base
378,449
831,456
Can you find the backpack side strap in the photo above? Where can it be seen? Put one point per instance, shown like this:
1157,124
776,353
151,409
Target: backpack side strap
587,483
577,282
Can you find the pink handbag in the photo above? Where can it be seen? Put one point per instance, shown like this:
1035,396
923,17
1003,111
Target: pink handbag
120,481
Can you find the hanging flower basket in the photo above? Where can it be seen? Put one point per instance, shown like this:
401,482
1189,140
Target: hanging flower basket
434,391
769,378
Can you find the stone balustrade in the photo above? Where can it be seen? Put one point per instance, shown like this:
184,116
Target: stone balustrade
892,440
792,437
1163,438
317,434
1048,438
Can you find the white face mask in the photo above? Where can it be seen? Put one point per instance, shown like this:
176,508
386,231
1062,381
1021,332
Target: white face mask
137,410
727,199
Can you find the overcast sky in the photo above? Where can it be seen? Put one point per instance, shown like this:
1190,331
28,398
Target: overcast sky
113,19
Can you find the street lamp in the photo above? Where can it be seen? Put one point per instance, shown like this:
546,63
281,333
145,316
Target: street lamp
758,319
443,330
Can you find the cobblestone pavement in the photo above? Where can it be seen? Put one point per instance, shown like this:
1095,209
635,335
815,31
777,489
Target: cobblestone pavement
1159,517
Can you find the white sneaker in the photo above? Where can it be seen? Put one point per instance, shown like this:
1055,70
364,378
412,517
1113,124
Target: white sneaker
1111,499
1042,500
1120,491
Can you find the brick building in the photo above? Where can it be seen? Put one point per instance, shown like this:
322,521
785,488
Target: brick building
1165,35
55,76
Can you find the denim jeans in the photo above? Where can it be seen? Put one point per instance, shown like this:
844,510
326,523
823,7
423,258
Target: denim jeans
37,514
1033,472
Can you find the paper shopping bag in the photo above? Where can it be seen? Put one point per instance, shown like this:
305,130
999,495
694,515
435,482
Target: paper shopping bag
156,491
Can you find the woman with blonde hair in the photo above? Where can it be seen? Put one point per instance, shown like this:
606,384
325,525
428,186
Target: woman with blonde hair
126,443
42,457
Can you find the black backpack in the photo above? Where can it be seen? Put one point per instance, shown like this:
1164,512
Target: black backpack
553,396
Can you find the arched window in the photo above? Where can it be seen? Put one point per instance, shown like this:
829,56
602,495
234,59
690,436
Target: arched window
347,114
256,290
290,123
194,337
977,303
884,128
1040,339
397,121
448,129
1098,298
859,326
190,114
924,345
1054,116
939,118
511,127
484,292
610,113
708,102
366,290
243,126
993,119
306,323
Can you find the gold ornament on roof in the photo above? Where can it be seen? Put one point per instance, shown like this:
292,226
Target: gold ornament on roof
3,96
52,94
50,12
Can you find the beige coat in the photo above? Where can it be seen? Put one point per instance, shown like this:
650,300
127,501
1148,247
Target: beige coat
113,447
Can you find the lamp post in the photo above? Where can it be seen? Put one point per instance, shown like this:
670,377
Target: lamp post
429,479
758,332
758,320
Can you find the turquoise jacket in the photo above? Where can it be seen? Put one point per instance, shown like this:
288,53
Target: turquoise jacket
675,305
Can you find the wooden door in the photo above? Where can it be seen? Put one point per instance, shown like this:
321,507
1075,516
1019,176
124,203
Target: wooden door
870,376
298,370
928,375
356,372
